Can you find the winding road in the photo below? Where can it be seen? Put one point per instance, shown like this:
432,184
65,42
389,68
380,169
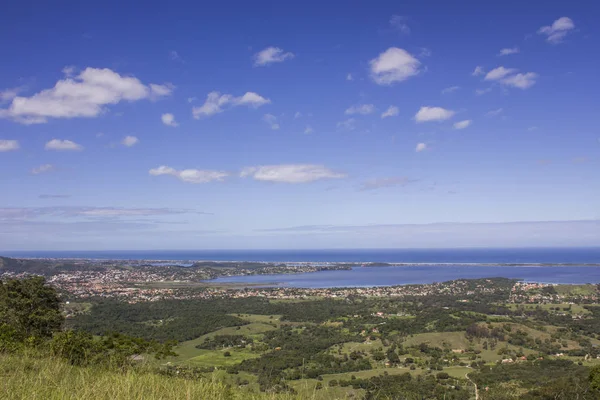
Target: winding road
474,384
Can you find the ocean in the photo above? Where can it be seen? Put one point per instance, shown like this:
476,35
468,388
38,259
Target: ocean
575,273
391,276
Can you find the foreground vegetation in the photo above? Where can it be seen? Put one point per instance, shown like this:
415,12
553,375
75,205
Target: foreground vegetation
476,344
44,378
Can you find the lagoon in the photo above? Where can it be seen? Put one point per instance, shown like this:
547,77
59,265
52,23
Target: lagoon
422,274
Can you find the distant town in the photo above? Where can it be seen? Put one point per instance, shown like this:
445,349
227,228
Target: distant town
153,280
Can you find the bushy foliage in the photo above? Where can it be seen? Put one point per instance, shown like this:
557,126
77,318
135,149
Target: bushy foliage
30,308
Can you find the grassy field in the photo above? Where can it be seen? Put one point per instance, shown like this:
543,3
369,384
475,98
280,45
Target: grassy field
216,358
257,324
573,309
33,378
582,290
452,340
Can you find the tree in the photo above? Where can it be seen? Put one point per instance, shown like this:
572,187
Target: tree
595,378
30,307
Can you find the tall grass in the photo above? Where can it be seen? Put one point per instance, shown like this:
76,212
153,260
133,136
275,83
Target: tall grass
34,377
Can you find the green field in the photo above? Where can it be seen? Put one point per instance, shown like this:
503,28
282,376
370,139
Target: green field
571,309
217,358
257,324
582,290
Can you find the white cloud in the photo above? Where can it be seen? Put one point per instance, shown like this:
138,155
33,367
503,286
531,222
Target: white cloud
271,120
509,51
398,22
521,81
190,175
271,55
85,95
42,168
558,30
215,102
191,99
7,95
63,145
498,73
290,173
308,130
250,99
69,71
392,111
297,115
9,145
478,71
348,124
160,90
362,109
349,77
426,114
479,92
129,141
393,65
169,120
532,128
450,89
493,113
421,147
462,124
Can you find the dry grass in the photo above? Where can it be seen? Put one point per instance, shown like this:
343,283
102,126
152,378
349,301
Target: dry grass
31,378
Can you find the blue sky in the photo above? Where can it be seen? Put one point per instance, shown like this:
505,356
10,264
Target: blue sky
308,125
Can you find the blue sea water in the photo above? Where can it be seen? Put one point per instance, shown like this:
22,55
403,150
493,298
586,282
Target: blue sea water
381,276
479,255
391,276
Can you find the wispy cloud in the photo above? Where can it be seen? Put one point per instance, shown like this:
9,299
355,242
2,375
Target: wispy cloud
499,73
9,145
398,23
392,111
379,183
215,103
347,125
451,234
42,169
426,114
271,55
63,145
450,89
190,175
558,30
462,124
271,120
508,51
32,213
362,109
129,141
478,71
493,113
290,173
